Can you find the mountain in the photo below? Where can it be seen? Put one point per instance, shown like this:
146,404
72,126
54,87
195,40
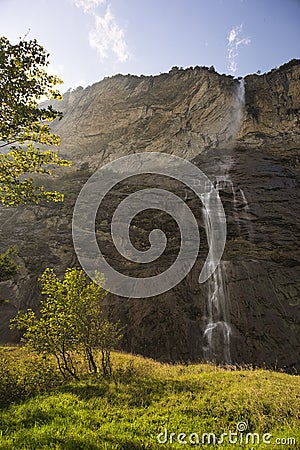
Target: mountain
245,136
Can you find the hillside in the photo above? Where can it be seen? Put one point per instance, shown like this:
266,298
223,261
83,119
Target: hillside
144,398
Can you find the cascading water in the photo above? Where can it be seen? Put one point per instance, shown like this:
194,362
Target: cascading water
245,206
245,201
216,335
237,109
240,103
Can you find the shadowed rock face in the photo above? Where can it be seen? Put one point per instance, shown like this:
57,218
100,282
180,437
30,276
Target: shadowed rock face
192,114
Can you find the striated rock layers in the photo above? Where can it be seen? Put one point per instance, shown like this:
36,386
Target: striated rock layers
246,137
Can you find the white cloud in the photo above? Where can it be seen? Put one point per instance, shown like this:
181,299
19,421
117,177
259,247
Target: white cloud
88,5
107,36
233,44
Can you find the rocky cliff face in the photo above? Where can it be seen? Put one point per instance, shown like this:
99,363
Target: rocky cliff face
272,103
246,138
183,112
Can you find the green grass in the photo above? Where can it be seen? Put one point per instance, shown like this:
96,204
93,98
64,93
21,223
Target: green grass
143,398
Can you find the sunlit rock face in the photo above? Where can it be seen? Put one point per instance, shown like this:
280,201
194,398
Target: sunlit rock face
182,112
272,110
245,136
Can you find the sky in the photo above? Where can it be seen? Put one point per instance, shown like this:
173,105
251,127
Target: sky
90,39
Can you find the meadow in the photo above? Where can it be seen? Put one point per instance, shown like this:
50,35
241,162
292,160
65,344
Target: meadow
145,405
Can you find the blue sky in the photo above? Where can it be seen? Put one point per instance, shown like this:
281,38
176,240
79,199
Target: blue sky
90,39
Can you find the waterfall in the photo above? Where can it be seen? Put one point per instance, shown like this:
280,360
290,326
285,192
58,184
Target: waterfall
237,109
240,99
240,92
245,201
217,332
245,206
216,335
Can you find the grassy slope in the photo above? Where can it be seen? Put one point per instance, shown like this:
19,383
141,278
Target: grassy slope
146,397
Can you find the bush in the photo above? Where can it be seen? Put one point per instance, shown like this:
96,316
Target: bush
21,380
8,267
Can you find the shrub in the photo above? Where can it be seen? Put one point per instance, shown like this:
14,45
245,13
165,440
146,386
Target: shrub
8,267
20,380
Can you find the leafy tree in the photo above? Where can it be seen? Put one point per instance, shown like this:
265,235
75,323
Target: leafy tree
23,82
71,322
16,188
7,266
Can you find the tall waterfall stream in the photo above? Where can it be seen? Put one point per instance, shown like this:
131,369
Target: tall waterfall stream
217,332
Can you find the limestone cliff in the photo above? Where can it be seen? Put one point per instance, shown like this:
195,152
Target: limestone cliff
182,112
249,131
273,109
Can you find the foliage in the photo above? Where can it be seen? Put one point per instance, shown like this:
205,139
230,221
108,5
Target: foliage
15,189
23,82
71,322
20,380
8,267
128,412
